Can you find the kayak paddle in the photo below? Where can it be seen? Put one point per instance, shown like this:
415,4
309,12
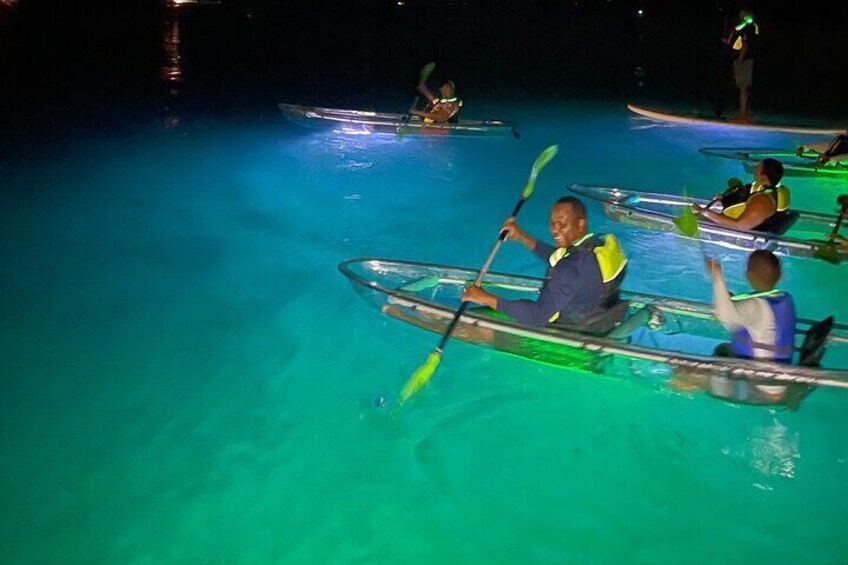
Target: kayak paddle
426,71
687,221
828,251
422,375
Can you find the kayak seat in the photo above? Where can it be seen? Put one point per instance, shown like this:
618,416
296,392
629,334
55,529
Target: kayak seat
813,348
779,223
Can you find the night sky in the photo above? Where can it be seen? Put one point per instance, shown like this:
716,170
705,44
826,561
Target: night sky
97,65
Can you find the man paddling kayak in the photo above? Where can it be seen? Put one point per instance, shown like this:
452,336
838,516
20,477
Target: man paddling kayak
834,151
440,109
762,205
761,326
585,274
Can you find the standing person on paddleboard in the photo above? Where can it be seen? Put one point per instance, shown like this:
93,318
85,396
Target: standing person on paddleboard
743,41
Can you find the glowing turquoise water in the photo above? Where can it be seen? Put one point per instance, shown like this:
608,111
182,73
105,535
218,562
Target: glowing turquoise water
187,378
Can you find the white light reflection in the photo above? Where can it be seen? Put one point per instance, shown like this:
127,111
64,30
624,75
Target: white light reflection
171,72
774,450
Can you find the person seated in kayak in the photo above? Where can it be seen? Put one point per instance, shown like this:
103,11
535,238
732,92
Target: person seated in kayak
762,205
834,151
761,324
440,109
584,277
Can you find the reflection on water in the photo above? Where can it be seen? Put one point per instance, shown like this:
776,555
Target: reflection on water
774,449
171,72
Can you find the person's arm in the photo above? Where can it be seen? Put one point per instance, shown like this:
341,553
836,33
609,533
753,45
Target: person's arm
758,210
422,88
555,297
731,314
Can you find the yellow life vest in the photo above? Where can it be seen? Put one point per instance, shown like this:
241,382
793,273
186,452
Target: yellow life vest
781,202
610,257
453,111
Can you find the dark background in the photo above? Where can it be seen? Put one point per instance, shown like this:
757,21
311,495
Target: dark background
77,67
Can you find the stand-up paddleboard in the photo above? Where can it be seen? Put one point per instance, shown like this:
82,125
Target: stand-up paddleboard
660,116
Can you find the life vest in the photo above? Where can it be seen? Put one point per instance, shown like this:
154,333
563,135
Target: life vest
749,20
736,200
452,105
783,310
611,262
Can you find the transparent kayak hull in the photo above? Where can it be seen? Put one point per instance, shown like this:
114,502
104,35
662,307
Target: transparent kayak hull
427,296
364,122
657,211
805,165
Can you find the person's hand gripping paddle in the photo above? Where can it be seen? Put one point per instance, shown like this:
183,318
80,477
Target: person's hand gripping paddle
422,375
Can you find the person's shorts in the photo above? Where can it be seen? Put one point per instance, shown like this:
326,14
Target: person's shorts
743,72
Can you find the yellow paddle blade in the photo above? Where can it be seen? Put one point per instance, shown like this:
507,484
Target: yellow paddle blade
538,165
687,222
426,71
420,377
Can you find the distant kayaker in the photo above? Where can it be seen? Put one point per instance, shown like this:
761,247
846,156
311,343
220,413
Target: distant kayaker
584,277
831,152
440,109
762,205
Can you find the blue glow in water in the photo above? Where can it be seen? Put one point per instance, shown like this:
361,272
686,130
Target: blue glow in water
184,367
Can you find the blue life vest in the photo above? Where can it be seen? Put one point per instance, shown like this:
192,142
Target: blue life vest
783,310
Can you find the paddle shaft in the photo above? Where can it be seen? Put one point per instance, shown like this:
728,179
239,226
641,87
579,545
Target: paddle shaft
842,214
408,115
483,270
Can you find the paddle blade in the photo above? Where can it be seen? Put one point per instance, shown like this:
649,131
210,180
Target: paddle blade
420,377
687,222
426,71
542,160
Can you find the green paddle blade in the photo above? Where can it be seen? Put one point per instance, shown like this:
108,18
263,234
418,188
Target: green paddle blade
426,71
421,376
540,163
687,222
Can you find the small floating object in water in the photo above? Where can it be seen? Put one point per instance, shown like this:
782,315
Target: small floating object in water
380,401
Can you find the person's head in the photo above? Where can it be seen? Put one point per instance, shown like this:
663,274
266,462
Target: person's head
763,270
448,89
568,221
769,172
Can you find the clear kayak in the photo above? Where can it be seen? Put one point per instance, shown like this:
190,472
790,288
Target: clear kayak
427,296
364,122
656,211
804,165
661,115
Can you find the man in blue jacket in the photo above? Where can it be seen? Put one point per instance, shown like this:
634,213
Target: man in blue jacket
584,276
